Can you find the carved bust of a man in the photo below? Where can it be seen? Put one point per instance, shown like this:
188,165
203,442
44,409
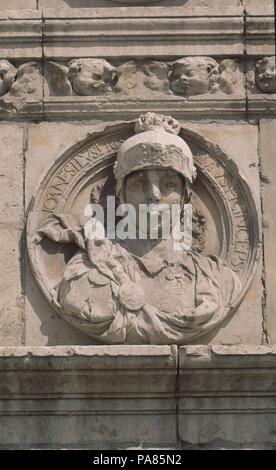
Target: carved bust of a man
143,291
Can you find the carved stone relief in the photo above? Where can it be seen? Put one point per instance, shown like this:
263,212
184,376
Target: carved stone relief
142,291
201,75
22,82
261,76
186,77
91,76
142,79
266,75
7,76
28,81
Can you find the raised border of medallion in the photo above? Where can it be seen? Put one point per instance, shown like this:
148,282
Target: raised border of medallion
241,218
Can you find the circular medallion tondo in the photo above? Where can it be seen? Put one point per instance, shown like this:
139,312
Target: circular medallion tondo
225,222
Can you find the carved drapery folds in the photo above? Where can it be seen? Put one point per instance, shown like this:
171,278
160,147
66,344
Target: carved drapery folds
156,295
185,77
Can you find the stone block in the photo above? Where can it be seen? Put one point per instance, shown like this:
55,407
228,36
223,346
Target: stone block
240,141
172,32
21,34
18,4
216,410
258,5
46,141
268,171
260,29
11,175
11,238
12,303
86,403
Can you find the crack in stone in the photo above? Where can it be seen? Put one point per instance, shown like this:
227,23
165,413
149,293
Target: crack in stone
265,336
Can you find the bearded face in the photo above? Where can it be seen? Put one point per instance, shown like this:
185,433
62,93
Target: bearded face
266,75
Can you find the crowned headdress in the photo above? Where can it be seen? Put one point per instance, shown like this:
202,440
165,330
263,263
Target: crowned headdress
156,144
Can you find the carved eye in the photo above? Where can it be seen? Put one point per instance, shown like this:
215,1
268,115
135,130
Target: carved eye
208,68
96,76
79,68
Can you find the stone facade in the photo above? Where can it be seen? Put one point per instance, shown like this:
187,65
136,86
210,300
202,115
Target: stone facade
74,74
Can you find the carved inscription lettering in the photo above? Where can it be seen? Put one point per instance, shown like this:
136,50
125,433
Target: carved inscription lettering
78,163
240,248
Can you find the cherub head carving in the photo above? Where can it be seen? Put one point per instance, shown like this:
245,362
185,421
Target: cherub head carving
194,76
28,80
7,76
266,75
91,76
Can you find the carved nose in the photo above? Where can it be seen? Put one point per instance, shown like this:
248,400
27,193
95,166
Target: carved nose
154,194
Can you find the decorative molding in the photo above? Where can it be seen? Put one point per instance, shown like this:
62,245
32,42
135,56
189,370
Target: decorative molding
260,32
174,31
59,386
21,34
171,32
97,87
187,77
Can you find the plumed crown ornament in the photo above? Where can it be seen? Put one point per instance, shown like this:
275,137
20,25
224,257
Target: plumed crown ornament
156,144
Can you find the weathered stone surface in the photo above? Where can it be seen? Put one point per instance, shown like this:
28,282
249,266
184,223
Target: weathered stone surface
257,5
12,303
204,396
11,171
73,3
268,168
89,397
93,32
21,34
18,4
260,30
226,415
8,73
151,3
241,142
76,289
11,226
45,142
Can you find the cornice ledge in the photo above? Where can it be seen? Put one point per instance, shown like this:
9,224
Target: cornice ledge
227,357
88,357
